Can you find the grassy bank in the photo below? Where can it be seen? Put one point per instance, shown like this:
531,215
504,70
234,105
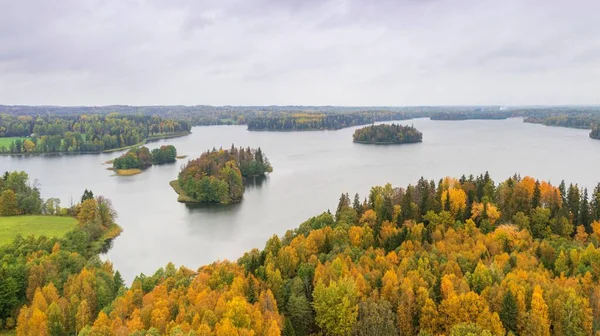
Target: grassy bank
128,172
5,142
49,226
150,139
8,141
183,197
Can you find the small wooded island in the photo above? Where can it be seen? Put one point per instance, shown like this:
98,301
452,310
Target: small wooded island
387,134
595,133
217,176
138,159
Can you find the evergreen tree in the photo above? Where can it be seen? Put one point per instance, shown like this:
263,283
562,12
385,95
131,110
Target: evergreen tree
573,201
584,212
406,206
596,203
537,195
118,282
87,194
563,192
509,313
357,205
447,202
344,203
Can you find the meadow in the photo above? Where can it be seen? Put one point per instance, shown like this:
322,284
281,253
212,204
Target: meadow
49,226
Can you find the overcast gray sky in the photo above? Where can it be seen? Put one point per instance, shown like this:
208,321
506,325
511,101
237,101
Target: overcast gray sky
306,52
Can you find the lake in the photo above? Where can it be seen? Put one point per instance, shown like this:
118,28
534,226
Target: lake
311,170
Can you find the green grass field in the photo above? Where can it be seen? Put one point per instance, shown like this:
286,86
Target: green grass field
49,226
7,141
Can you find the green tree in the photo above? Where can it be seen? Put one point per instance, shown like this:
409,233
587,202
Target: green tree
537,195
87,194
540,218
509,313
56,320
8,203
298,308
481,278
584,212
336,306
469,329
375,317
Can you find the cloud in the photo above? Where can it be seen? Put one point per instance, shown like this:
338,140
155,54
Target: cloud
333,52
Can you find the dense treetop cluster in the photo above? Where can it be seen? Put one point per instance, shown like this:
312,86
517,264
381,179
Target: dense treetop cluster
142,157
595,133
20,197
387,134
461,256
217,176
319,121
83,133
43,281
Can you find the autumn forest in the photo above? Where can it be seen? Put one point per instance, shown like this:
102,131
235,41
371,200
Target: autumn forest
466,256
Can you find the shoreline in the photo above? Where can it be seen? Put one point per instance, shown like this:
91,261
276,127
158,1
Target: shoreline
150,139
385,143
184,198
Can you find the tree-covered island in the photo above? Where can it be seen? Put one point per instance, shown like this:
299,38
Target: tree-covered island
138,159
387,134
595,133
217,176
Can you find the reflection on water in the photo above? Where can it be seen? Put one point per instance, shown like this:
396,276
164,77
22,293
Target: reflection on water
311,170
257,181
213,207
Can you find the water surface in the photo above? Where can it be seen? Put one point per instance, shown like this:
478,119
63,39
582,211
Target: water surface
311,170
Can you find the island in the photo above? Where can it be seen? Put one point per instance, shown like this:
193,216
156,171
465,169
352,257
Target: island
595,133
77,134
137,159
384,134
217,176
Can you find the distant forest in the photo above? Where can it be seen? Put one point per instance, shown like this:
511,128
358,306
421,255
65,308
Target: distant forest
304,118
83,133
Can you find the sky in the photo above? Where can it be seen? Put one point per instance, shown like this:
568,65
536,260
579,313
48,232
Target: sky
299,52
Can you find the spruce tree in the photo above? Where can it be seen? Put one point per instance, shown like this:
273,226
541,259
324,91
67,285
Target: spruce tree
537,195
584,212
509,313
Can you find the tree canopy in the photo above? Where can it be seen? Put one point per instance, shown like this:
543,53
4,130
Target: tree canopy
465,256
84,133
217,176
387,134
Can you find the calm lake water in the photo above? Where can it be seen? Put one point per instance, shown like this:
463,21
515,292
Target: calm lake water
311,170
